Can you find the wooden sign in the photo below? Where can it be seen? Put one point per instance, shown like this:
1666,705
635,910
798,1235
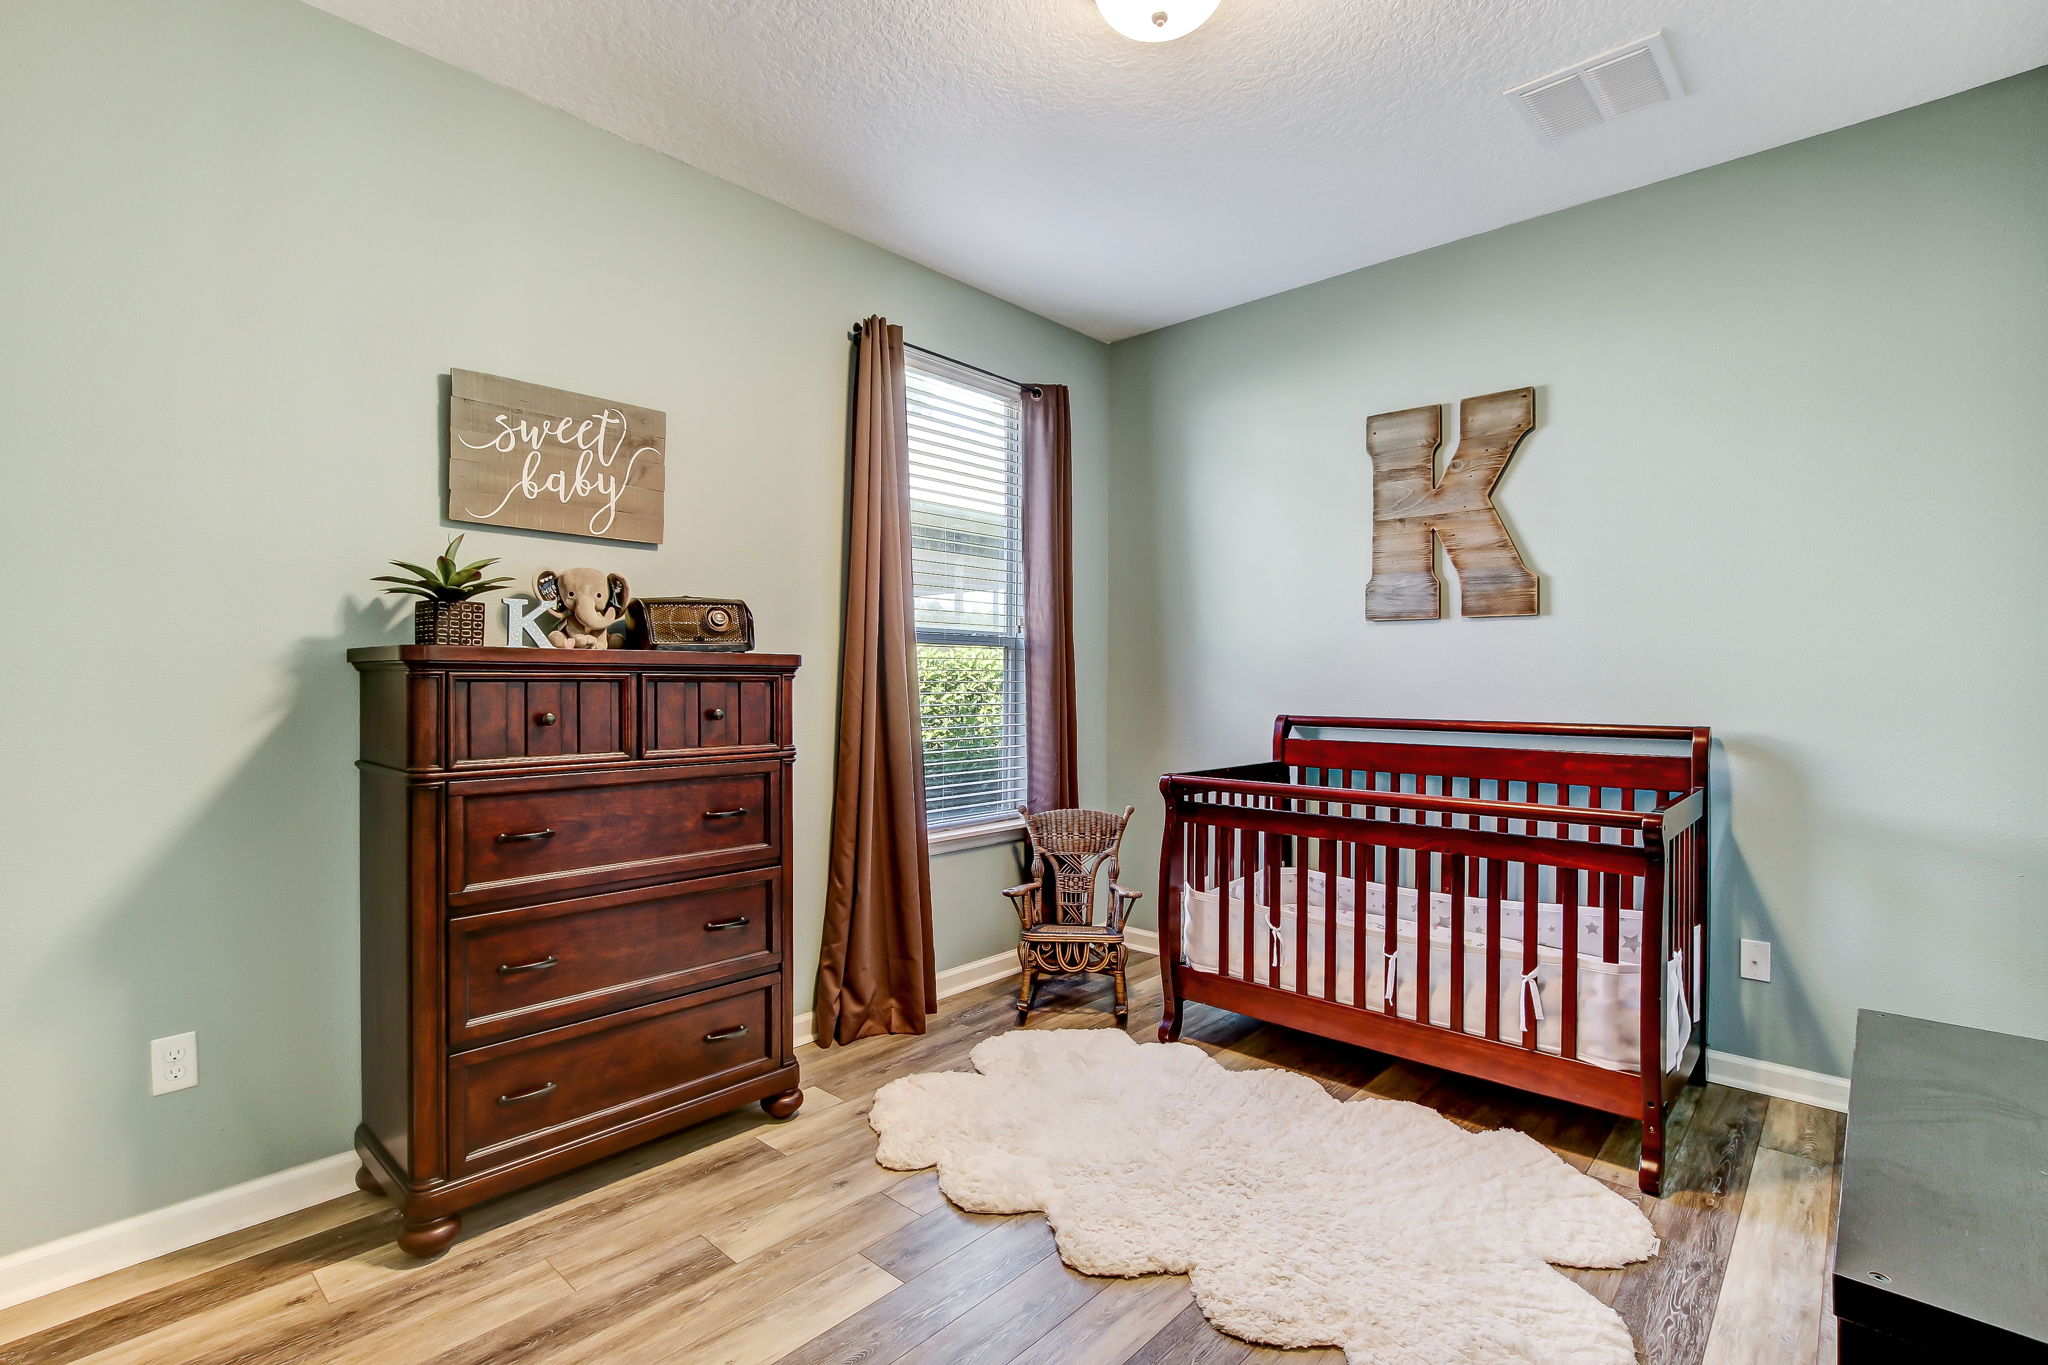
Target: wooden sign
1410,504
549,460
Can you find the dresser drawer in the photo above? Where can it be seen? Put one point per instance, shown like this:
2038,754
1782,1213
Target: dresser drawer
520,1098
517,971
528,837
689,715
496,719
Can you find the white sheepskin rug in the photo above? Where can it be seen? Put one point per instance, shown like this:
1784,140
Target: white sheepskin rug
1375,1225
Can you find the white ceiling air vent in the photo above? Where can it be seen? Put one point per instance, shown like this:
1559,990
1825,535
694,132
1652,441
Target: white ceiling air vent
1562,106
1600,88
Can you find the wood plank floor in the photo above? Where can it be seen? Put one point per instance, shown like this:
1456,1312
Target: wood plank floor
744,1242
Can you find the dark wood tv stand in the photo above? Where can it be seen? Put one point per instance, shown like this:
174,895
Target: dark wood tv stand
1943,1248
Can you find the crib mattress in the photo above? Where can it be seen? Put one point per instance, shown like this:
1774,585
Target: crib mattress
1609,993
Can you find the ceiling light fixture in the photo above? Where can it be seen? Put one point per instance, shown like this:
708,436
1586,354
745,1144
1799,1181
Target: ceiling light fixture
1156,21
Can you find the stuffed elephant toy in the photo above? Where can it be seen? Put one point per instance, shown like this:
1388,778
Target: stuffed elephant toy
588,601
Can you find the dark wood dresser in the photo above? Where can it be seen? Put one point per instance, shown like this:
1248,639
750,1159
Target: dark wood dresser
575,890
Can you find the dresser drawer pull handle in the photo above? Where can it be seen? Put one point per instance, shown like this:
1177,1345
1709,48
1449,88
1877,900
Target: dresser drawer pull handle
725,814
716,713
546,718
527,837
533,1094
720,1035
739,923
540,966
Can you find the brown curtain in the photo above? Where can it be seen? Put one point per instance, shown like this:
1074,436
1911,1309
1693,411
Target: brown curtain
875,969
1049,596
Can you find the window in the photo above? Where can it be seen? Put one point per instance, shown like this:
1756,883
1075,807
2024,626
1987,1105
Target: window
967,572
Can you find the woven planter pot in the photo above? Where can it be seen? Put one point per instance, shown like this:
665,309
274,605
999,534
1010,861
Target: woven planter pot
448,623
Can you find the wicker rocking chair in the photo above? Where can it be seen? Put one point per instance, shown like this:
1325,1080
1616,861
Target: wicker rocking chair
1063,937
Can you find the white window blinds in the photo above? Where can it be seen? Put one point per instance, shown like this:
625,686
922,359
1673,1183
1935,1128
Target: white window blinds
967,569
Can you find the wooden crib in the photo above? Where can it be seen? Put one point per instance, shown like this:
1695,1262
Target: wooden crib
1569,871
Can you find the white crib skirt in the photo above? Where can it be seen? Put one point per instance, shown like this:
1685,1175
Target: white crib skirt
1610,995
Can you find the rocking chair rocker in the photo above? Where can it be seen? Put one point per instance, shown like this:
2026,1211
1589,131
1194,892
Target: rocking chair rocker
1062,937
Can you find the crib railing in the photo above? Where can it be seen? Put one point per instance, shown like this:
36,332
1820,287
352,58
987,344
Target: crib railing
1480,839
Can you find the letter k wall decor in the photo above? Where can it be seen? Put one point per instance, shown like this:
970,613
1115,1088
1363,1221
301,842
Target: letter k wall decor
1410,504
550,460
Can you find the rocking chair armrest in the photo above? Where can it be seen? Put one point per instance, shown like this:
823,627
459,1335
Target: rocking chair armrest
1124,894
1024,899
1124,898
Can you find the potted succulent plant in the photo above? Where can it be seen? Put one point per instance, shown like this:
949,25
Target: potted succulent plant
447,616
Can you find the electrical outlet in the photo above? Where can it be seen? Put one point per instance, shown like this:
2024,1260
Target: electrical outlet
1756,960
173,1063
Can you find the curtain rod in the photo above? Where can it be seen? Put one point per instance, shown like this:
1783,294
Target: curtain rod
1032,389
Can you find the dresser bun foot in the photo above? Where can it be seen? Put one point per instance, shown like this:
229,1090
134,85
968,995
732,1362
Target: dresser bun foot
784,1105
429,1237
366,1182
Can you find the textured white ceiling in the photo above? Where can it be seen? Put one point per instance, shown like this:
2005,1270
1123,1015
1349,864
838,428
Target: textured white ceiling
1024,147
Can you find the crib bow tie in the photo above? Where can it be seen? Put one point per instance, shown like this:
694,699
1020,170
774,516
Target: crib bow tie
1531,1000
1392,971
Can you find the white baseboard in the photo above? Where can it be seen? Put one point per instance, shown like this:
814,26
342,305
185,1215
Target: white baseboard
36,1271
1779,1081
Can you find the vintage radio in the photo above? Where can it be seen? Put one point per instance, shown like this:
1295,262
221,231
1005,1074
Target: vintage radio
689,623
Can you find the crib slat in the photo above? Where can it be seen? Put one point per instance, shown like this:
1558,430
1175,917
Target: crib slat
1249,871
1531,955
1496,873
1274,852
1254,858
1568,879
1425,917
1361,862
1390,936
1324,852
1226,863
1443,879
1631,886
1456,949
1447,786
1342,809
1610,917
1301,923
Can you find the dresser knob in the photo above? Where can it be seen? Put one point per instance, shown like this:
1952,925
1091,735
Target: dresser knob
546,718
510,967
739,923
720,1035
716,713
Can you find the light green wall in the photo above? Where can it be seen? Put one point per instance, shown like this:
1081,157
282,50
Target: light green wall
241,241
1788,480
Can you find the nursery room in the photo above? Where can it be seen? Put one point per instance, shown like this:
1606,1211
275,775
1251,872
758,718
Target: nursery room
1025,682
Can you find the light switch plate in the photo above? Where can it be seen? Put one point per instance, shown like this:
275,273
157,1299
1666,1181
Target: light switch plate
1756,959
